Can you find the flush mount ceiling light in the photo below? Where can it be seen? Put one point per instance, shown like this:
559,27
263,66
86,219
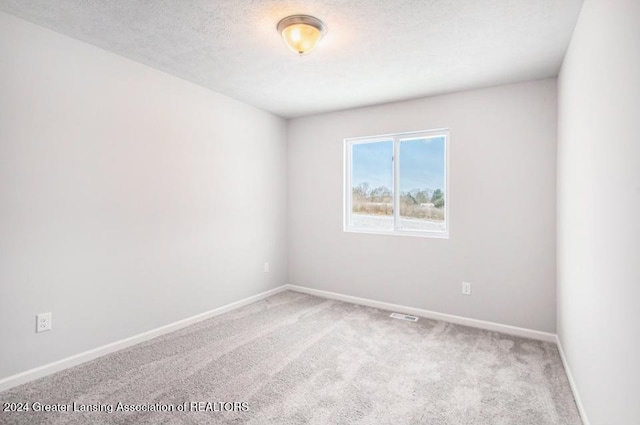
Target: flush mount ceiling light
301,33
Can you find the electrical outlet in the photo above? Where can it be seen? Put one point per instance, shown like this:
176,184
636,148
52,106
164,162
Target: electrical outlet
43,322
466,288
266,267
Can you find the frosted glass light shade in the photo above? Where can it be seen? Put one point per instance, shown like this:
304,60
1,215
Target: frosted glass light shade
301,33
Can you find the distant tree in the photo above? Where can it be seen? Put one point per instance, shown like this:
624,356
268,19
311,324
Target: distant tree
362,190
438,198
380,194
422,196
410,198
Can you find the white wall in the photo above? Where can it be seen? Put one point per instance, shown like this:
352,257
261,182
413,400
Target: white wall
599,210
129,199
502,200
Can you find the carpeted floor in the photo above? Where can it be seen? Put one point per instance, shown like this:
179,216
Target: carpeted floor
297,359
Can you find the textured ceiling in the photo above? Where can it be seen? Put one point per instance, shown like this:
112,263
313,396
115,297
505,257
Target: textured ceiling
375,51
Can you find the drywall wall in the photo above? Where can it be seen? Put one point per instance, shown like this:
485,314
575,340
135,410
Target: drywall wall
599,210
502,208
129,198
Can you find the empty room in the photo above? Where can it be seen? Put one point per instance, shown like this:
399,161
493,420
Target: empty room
320,212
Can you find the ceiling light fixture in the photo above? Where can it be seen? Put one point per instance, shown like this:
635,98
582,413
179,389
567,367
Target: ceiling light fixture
301,33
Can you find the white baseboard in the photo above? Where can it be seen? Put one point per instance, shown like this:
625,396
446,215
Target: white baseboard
460,320
572,384
39,372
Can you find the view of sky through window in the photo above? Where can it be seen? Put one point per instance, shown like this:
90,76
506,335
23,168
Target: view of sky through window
422,164
372,164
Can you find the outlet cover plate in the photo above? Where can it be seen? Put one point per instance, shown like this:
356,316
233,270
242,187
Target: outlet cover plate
43,322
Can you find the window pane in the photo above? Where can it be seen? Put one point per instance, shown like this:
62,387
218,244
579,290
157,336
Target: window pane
372,185
422,184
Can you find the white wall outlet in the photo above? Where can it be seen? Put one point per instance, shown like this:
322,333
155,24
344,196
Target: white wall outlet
43,322
266,267
466,288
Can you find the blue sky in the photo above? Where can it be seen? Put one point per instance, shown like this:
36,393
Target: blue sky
421,165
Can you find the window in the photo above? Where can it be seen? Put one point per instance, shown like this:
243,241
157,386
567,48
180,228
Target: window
397,184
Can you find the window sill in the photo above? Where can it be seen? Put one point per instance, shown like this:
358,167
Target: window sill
435,235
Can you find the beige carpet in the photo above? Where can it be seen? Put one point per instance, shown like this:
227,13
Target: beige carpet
298,359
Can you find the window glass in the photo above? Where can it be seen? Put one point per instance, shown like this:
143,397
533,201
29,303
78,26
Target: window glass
422,184
372,185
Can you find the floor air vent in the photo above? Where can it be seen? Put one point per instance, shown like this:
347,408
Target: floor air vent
404,317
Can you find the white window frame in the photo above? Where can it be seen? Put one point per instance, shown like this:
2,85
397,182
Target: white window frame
395,138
